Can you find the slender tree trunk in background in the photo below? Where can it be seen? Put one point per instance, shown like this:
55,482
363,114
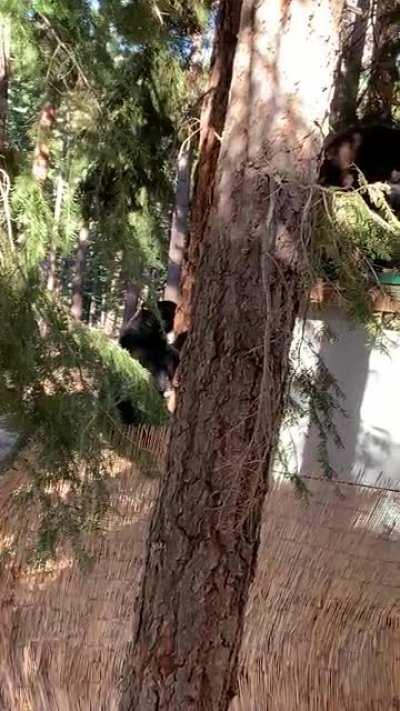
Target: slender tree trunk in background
104,312
196,57
5,214
204,534
41,156
4,78
180,223
40,169
51,271
384,68
180,217
110,324
347,83
211,129
95,310
50,274
79,274
132,294
109,310
53,283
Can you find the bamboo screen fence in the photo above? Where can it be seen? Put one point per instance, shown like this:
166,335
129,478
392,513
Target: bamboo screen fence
322,629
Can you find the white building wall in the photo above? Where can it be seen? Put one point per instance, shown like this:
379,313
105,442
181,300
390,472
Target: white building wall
370,382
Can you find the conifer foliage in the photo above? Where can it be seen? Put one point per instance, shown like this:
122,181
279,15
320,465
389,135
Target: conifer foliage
96,93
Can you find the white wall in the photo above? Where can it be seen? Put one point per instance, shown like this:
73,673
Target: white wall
370,382
7,439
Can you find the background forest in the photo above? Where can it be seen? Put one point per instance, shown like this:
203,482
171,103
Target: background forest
96,99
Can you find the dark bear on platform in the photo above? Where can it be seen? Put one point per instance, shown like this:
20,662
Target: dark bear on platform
373,151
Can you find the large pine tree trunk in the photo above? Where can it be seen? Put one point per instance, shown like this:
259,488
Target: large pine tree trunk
204,534
211,129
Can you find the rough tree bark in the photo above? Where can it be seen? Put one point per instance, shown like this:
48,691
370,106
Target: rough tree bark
204,534
79,274
211,129
347,84
180,223
384,73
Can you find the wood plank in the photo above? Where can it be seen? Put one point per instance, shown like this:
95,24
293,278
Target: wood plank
324,293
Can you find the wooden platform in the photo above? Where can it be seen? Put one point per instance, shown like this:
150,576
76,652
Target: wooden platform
323,293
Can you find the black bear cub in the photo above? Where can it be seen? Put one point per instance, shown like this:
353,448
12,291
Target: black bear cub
146,339
373,151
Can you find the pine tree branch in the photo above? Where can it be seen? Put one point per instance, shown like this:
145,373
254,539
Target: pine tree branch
70,54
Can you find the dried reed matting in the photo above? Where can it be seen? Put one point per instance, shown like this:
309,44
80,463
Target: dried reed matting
64,633
322,630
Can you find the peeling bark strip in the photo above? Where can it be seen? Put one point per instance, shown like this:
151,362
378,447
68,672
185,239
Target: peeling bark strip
204,534
211,128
